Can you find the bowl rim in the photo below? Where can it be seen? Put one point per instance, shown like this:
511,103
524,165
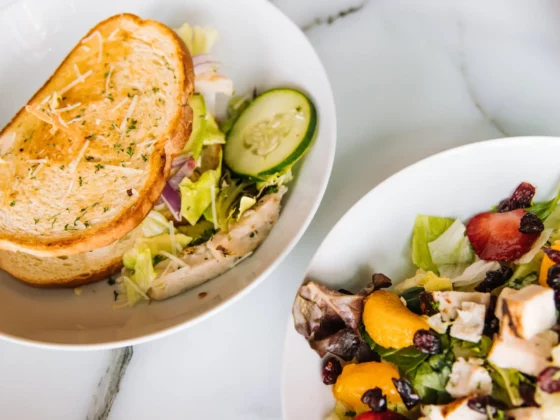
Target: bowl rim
328,109
483,144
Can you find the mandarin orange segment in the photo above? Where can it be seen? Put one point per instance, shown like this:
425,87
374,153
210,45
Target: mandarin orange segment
356,379
545,266
388,321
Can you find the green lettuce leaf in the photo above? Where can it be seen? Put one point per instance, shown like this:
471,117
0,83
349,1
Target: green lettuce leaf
451,247
506,385
196,197
155,245
427,229
228,202
235,108
197,39
468,349
154,224
213,134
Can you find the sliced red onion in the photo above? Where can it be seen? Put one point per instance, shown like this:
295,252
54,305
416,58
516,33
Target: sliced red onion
173,201
202,58
180,160
184,172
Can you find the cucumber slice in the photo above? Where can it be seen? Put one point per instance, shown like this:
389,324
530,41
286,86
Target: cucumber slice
273,132
198,133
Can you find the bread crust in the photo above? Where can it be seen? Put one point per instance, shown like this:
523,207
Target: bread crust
177,134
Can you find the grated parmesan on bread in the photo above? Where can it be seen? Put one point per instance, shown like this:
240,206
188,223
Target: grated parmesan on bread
86,159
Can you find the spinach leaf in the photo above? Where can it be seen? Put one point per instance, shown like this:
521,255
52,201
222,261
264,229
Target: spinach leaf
467,349
506,385
412,300
406,359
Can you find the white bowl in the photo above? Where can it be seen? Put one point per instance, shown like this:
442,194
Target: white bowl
259,47
374,235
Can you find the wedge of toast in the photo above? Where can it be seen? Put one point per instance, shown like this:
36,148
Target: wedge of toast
83,163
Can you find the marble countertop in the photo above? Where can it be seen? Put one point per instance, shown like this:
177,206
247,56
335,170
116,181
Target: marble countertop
411,78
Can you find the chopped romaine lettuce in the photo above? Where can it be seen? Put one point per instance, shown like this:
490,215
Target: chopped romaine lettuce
227,203
199,126
452,271
201,232
155,244
213,134
430,281
277,179
526,274
427,229
451,247
236,106
506,385
154,224
197,39
197,196
475,273
245,204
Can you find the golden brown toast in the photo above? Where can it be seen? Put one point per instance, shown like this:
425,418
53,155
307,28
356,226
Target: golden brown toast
83,163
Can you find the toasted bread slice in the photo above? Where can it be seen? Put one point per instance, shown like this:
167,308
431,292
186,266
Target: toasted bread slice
69,271
83,163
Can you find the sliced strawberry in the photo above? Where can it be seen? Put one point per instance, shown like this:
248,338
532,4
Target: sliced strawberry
385,415
496,236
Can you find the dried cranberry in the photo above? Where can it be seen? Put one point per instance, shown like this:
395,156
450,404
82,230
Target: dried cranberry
427,342
345,292
491,322
380,281
553,277
485,404
427,304
494,279
553,254
520,199
527,393
375,400
405,390
549,380
557,299
530,223
366,354
331,370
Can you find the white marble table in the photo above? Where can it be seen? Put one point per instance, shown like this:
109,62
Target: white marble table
411,78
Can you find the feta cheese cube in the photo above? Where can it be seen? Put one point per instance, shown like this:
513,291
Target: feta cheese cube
468,378
456,410
450,302
470,322
527,356
528,311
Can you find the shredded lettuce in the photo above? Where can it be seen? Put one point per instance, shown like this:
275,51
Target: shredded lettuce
430,281
197,196
427,229
235,108
228,203
154,224
276,180
198,40
475,273
451,247
245,204
213,134
526,274
155,245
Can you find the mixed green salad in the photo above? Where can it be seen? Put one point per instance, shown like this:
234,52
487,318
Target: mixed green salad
472,335
227,168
